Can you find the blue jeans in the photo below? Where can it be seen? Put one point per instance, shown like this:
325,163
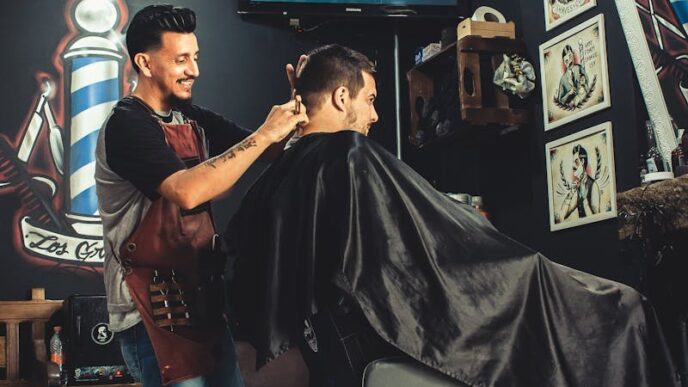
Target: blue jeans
137,351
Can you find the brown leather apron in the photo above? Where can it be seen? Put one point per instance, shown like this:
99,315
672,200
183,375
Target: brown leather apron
175,276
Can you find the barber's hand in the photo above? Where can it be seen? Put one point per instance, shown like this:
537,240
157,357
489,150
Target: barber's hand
283,119
292,73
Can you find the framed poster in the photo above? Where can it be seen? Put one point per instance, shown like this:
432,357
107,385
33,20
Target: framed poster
573,70
657,36
559,11
581,181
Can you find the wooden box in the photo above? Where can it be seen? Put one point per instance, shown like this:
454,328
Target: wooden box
481,101
3,351
485,29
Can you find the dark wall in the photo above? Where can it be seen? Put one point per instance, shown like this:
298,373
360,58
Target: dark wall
594,247
508,168
242,76
486,160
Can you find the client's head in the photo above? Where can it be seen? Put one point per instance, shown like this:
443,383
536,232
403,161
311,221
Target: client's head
337,86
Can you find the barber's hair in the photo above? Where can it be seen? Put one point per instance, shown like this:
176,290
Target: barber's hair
148,24
328,68
582,153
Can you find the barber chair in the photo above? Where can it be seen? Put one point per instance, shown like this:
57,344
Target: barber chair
403,371
341,345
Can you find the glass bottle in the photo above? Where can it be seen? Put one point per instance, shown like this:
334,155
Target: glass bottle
654,160
679,156
477,203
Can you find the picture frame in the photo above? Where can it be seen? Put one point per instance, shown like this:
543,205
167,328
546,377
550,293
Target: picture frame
653,94
574,74
581,179
558,12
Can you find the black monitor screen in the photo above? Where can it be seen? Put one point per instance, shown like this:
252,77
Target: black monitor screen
448,3
387,8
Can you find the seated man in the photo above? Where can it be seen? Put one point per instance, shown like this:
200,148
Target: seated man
338,229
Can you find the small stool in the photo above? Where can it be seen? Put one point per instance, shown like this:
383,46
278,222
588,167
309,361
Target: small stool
37,311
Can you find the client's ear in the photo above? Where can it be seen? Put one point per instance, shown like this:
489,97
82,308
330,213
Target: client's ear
340,98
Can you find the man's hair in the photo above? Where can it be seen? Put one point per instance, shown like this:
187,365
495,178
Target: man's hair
582,153
148,24
328,68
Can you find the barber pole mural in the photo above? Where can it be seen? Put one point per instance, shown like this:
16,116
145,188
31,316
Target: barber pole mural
50,162
666,27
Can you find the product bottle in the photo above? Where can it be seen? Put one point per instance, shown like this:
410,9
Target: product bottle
56,351
642,168
679,156
654,160
477,203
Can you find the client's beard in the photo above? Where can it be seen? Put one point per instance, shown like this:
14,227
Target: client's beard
350,119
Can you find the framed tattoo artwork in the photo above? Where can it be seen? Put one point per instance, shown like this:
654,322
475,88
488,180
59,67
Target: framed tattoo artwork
573,70
657,36
559,11
581,181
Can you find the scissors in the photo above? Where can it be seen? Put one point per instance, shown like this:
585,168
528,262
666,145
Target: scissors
297,109
297,105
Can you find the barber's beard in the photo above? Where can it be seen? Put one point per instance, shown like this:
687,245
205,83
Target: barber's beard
179,103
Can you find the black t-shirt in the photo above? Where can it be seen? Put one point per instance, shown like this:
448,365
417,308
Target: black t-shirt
136,149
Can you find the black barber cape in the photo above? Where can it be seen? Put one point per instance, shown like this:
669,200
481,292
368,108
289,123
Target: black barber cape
431,275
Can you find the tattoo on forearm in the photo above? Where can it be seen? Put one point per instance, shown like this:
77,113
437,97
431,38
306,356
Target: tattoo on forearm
240,147
232,152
